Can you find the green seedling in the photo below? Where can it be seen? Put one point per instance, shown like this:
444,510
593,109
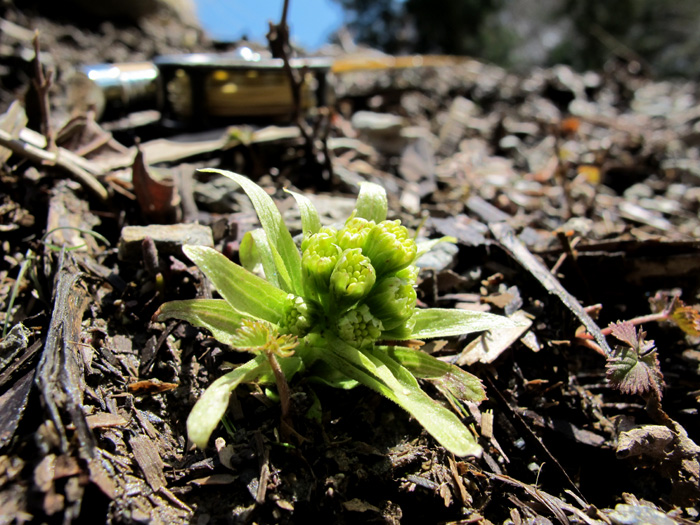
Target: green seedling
634,366
336,311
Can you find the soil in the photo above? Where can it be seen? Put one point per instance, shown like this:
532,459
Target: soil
574,202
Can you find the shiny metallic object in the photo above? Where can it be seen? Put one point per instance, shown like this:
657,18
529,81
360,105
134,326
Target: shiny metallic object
113,89
200,89
203,88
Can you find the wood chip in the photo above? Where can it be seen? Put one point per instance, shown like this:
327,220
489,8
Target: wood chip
490,345
105,419
148,459
214,479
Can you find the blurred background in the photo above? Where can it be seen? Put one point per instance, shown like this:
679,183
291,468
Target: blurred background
658,37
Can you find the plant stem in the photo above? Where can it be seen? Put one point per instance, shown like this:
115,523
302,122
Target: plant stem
282,385
650,318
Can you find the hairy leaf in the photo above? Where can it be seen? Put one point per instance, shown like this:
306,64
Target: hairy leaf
443,322
461,384
371,202
634,374
625,332
260,336
247,293
256,248
310,221
216,315
377,370
211,407
273,224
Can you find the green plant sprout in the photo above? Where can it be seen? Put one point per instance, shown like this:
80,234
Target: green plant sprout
337,311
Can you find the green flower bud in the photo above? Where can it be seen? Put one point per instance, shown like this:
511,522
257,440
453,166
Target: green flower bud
359,327
389,247
307,239
317,262
392,301
408,274
298,317
352,278
355,233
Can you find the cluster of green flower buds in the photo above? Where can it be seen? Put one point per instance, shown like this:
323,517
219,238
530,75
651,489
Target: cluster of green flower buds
361,278
299,317
359,327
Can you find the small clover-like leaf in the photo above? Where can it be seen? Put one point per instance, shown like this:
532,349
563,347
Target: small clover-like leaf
634,368
625,332
634,374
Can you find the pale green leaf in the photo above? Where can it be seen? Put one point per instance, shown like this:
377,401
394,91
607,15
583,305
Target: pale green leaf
443,322
440,422
310,220
273,224
461,384
215,315
212,405
249,256
255,246
371,202
374,368
322,372
247,293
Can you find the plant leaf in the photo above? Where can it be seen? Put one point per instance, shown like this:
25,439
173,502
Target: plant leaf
253,336
371,202
250,257
216,315
212,405
687,318
625,332
247,293
461,384
443,322
634,374
328,375
273,224
290,366
270,259
310,221
375,369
